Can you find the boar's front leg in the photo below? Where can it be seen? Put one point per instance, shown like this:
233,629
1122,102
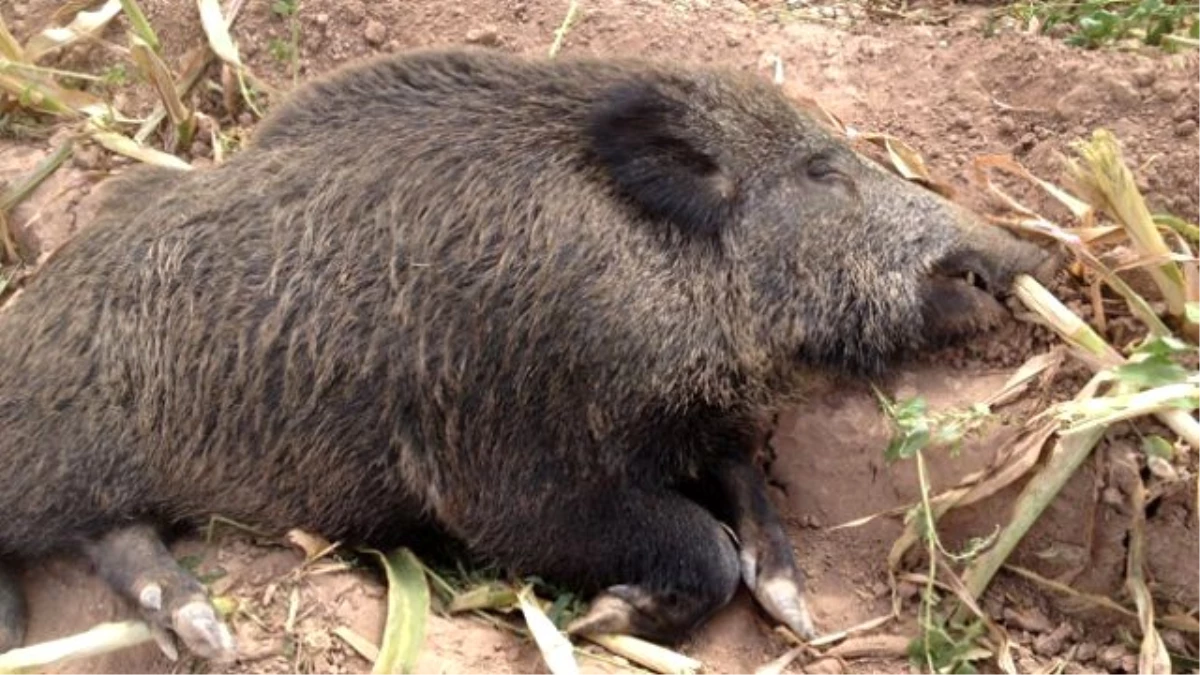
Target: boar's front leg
659,562
768,565
136,563
12,610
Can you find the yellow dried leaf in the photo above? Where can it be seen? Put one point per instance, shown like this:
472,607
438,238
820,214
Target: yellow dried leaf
46,96
85,23
125,145
408,608
358,643
1084,212
141,25
556,649
654,657
217,31
1152,656
494,596
9,47
100,639
1103,174
313,545
907,161
157,72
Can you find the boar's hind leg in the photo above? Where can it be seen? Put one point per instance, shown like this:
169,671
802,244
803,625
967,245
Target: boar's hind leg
768,565
665,563
136,563
12,611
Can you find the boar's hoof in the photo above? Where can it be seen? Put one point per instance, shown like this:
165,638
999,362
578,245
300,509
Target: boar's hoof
767,562
783,599
777,584
197,624
136,563
631,610
203,632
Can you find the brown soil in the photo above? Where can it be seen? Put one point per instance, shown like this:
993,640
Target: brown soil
944,87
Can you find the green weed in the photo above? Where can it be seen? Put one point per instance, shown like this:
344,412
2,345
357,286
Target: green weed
916,427
115,76
1095,23
288,51
942,645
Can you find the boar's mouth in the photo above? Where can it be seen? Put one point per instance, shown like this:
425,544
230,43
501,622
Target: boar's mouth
963,295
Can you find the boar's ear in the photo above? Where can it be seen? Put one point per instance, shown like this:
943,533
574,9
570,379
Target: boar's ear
643,138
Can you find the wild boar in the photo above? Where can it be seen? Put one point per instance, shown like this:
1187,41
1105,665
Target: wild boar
545,307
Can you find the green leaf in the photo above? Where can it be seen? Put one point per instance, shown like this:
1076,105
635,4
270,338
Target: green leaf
1192,309
141,26
1157,27
562,610
1157,446
492,595
1184,402
284,7
407,608
949,433
1154,371
1165,345
907,444
910,409
1099,26
965,668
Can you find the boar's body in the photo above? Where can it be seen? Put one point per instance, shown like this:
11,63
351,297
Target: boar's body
531,303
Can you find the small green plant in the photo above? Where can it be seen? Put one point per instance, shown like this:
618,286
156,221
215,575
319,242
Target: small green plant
19,125
1095,23
281,50
916,427
566,607
943,645
949,647
288,51
115,76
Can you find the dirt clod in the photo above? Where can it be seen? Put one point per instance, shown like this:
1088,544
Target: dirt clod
1113,659
825,667
375,33
486,36
1085,651
1029,619
1053,643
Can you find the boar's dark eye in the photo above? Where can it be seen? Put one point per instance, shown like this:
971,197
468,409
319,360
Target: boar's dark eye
820,168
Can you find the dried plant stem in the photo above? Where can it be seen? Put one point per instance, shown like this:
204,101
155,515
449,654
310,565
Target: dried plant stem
1068,454
561,33
100,639
1094,350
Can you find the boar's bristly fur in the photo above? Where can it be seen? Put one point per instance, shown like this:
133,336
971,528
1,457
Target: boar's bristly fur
533,303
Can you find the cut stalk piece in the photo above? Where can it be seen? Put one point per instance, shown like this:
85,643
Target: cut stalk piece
1093,349
100,639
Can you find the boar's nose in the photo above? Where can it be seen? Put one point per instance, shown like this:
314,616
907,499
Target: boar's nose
976,268
995,270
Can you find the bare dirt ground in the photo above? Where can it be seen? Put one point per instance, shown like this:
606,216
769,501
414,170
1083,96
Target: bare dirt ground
943,86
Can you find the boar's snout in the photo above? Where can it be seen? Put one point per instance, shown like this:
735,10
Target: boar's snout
966,286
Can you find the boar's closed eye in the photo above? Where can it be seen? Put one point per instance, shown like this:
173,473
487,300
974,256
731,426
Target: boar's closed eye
820,168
